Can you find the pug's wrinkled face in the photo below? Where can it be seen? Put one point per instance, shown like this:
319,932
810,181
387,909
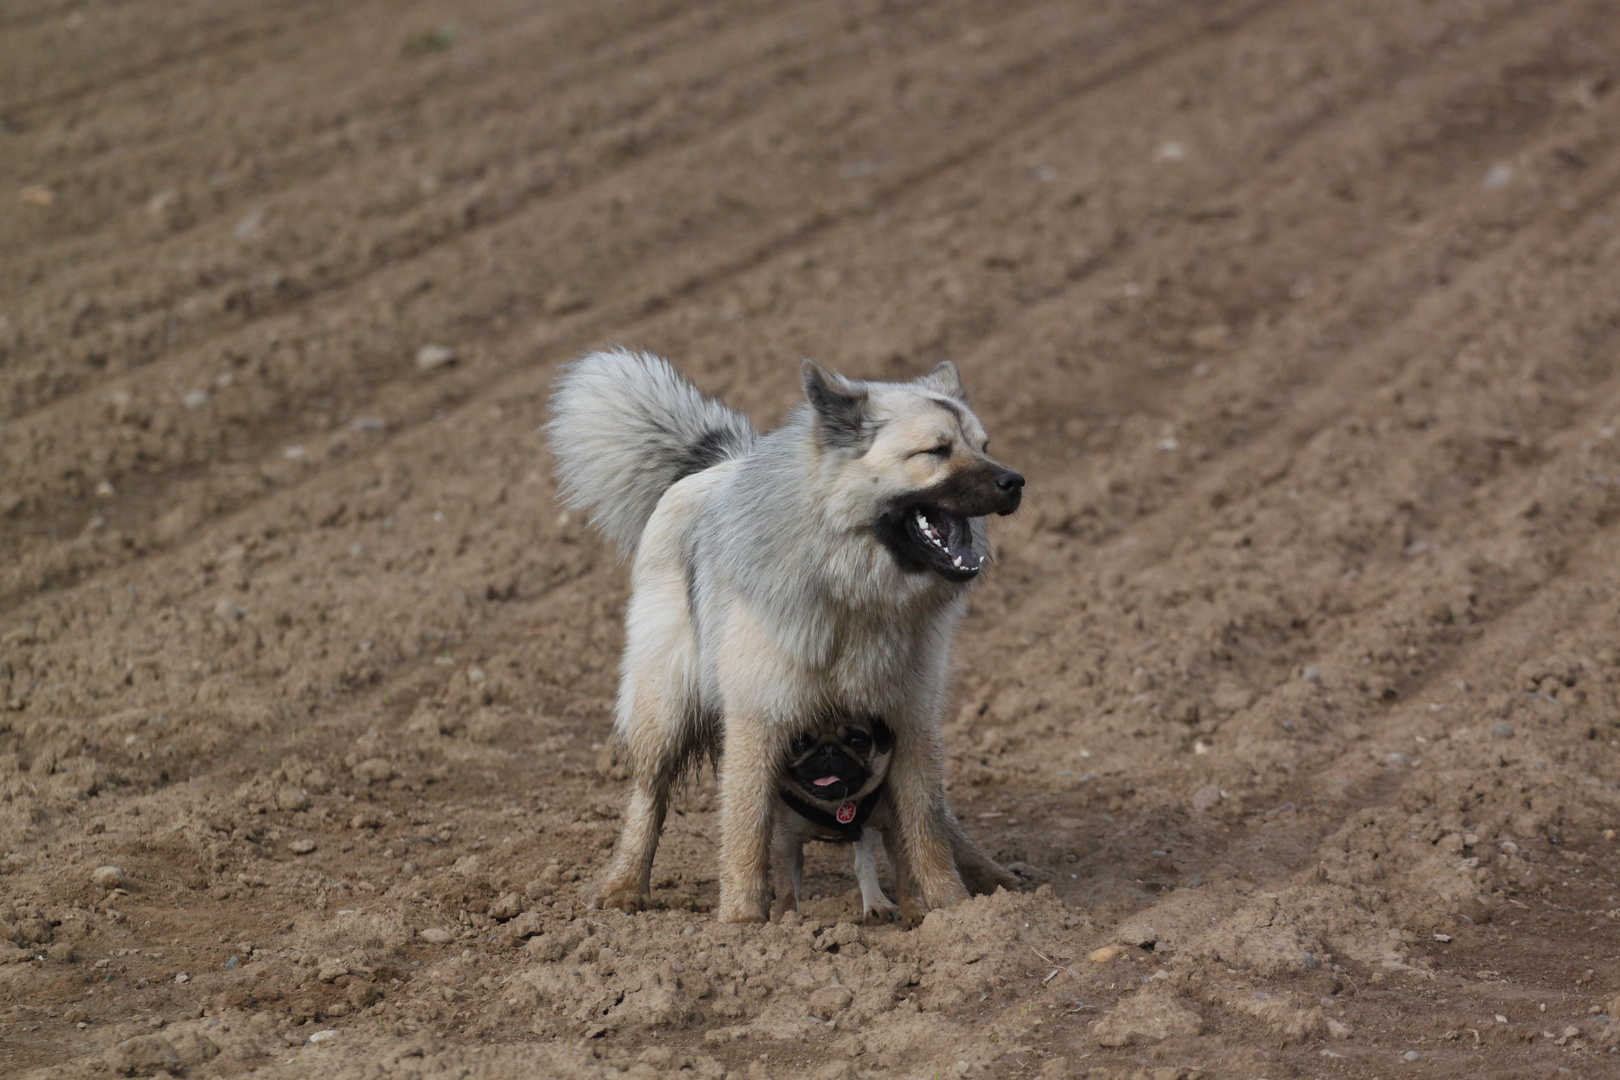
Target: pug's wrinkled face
846,760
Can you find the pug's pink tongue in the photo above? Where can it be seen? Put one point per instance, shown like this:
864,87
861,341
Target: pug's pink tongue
825,780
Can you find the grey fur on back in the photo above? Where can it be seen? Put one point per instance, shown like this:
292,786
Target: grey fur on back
625,426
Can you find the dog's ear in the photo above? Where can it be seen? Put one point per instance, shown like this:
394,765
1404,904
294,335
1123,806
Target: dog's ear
840,406
882,735
945,379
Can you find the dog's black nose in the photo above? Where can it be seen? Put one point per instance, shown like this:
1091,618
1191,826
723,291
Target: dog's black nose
1009,481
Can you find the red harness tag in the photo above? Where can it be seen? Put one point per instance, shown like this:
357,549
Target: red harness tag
846,813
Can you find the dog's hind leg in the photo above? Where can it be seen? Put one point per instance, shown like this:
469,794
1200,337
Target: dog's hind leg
660,722
656,764
979,871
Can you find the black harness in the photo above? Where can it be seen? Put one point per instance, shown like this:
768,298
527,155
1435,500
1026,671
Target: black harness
850,833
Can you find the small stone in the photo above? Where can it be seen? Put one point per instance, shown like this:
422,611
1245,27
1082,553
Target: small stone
332,969
1410,1055
1395,757
374,771
1442,938
366,819
409,867
435,936
1310,674
182,978
507,906
292,798
1105,954
1498,177
1339,1030
431,357
35,195
1502,729
322,1036
108,877
301,847
1470,839
232,964
195,399
1206,797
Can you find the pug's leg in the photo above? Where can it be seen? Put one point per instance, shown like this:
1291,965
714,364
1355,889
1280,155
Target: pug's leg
979,871
873,902
917,796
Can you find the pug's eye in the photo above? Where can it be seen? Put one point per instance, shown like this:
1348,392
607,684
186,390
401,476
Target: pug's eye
801,745
858,741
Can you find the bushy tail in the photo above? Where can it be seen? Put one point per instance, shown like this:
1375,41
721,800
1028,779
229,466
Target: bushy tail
624,427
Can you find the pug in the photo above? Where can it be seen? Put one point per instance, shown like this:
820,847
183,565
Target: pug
832,789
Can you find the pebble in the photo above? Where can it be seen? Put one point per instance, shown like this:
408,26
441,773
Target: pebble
182,978
232,964
301,847
435,936
195,399
1105,954
1310,674
34,195
322,1036
1410,1055
1502,729
430,357
108,877
1206,797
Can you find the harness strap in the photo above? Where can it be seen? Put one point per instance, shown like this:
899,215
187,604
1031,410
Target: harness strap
816,816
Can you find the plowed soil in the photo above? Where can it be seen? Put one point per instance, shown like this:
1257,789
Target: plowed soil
1294,696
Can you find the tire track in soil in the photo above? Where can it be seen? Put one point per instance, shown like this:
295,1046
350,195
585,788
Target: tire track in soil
270,432
730,271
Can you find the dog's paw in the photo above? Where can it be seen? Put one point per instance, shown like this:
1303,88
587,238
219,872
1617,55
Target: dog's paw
622,898
732,912
982,879
882,911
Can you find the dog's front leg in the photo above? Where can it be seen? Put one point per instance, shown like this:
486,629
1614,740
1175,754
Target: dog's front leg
917,790
748,778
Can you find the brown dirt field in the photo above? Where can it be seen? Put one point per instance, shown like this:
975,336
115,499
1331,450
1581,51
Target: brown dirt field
1296,690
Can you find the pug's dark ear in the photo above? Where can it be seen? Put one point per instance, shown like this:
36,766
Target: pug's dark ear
839,405
945,379
882,736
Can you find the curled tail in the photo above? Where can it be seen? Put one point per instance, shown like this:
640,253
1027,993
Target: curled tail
624,427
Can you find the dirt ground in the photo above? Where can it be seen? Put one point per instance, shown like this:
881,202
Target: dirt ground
1294,697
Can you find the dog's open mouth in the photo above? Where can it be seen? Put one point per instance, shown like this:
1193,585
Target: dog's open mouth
946,542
